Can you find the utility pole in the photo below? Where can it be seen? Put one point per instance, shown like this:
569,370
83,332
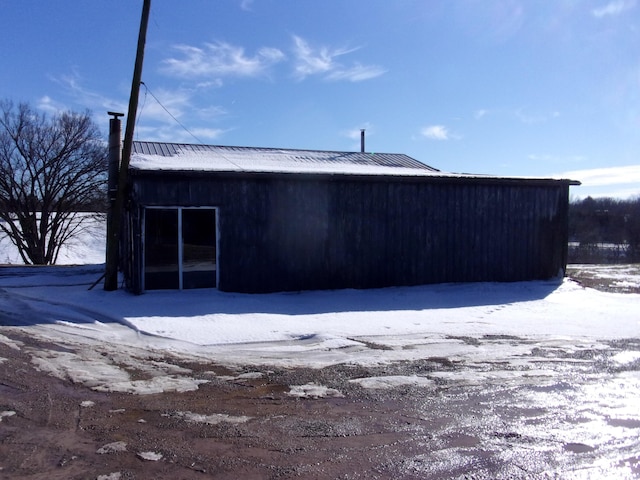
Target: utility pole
113,238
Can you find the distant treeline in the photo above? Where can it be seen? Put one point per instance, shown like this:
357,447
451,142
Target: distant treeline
604,230
96,206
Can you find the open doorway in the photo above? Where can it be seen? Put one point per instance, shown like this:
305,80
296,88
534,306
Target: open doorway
180,248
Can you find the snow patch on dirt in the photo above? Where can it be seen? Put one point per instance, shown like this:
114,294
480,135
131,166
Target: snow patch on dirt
10,343
111,476
242,376
393,381
150,456
113,447
627,357
154,385
212,419
6,414
474,377
312,390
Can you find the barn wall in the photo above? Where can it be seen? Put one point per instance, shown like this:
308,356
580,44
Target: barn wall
289,232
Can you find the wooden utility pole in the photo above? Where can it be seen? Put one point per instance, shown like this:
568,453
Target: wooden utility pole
113,239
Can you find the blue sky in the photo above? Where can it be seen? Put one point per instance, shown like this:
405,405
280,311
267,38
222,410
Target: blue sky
504,87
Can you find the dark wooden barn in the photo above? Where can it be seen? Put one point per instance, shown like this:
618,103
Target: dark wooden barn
262,220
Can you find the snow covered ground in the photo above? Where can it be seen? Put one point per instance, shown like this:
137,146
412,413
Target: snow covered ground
474,323
87,248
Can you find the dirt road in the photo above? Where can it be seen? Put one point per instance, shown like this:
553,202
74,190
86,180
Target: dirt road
254,425
561,410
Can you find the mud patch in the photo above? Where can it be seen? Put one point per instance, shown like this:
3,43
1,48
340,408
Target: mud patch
607,278
434,418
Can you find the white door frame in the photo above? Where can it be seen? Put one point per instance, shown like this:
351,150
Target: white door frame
180,240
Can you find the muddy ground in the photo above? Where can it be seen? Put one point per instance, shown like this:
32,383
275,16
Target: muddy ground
470,421
607,278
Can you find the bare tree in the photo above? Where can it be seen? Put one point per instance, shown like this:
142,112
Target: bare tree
52,169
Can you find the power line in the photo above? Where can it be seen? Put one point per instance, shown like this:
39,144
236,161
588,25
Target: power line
148,90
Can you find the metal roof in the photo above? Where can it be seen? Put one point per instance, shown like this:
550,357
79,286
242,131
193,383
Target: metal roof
181,157
177,156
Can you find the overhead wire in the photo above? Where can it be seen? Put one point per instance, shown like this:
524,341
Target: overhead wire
200,142
148,90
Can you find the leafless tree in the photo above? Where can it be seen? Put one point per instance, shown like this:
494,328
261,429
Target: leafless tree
52,171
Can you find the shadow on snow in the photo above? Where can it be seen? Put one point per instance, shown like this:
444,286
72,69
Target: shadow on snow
34,295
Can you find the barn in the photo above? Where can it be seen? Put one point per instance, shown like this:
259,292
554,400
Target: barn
245,219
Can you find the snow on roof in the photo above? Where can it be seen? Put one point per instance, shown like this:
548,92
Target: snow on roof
186,157
181,157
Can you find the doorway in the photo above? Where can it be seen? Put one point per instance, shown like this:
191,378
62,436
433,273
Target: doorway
180,248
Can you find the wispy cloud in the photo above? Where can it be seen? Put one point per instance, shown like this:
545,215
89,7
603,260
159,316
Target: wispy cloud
169,133
615,7
531,118
173,115
524,115
51,106
357,73
214,61
545,157
219,60
323,61
310,61
246,5
436,132
354,133
174,101
161,113
73,84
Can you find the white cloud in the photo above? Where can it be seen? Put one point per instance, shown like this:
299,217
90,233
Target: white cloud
529,118
205,133
545,157
620,193
216,83
478,114
175,101
50,106
522,114
210,112
357,73
615,7
174,133
220,59
436,132
161,117
354,133
596,177
322,61
310,61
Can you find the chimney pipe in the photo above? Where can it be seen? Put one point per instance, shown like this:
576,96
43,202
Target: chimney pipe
115,152
115,156
362,140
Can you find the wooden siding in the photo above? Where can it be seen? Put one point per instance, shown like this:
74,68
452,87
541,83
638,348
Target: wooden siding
296,232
